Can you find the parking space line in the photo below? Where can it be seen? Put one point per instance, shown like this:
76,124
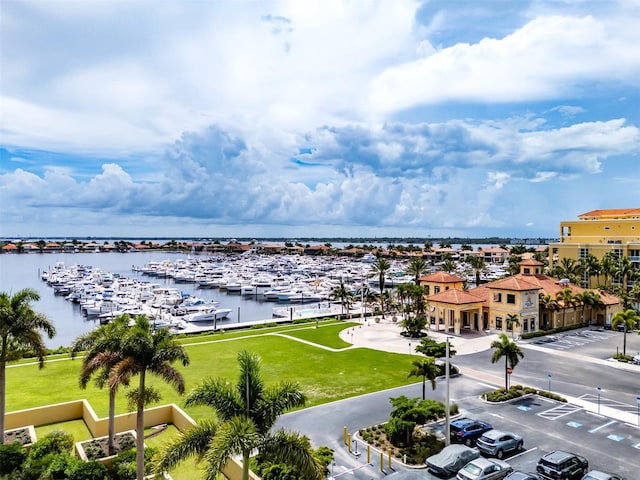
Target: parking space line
602,426
523,452
637,445
559,411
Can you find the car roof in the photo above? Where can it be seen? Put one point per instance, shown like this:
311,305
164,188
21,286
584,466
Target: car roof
558,455
485,462
463,421
496,433
599,475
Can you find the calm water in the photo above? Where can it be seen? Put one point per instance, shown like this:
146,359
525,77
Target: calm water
23,271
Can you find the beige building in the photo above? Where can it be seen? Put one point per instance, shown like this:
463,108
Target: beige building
596,233
491,306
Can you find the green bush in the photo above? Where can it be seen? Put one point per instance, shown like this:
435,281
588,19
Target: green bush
516,391
54,442
12,457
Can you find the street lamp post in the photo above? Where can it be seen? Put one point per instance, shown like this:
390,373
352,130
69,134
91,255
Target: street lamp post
447,433
549,377
599,390
638,400
409,348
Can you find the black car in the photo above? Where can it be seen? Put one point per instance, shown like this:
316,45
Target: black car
561,465
467,430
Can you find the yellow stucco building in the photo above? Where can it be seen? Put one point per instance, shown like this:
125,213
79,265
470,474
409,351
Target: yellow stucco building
596,233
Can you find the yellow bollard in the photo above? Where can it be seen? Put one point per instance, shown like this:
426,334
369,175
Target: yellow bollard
349,443
344,434
368,453
389,459
381,462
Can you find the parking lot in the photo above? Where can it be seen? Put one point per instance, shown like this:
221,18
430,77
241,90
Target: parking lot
548,425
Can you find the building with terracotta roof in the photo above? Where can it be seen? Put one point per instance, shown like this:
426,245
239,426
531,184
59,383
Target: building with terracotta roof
597,233
491,306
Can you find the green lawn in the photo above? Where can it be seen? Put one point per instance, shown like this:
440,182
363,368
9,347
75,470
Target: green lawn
323,375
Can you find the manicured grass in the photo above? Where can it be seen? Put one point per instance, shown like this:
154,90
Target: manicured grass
76,428
324,375
326,335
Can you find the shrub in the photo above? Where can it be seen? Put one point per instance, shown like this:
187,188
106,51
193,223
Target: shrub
54,442
12,456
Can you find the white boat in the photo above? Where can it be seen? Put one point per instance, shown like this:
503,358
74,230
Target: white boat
207,315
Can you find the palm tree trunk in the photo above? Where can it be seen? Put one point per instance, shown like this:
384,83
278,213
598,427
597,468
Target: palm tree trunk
112,420
624,340
140,429
506,375
424,387
245,465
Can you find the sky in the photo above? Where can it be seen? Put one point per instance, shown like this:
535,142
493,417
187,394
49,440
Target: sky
326,118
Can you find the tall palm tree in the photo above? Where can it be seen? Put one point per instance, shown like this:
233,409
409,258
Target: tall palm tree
20,326
343,295
417,267
590,265
548,304
428,370
403,293
568,268
607,266
246,411
145,350
478,265
448,265
566,299
513,320
511,353
630,319
102,352
624,269
380,268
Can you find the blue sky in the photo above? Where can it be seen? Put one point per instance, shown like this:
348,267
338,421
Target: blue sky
316,118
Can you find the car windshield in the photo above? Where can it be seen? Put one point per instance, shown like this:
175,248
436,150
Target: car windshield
488,440
472,469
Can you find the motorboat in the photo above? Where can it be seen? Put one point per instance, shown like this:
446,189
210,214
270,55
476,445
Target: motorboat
207,315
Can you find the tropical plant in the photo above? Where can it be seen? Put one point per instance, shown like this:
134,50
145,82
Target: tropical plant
478,265
607,266
145,350
413,326
342,294
624,270
246,412
380,268
448,266
20,326
101,348
428,370
417,267
431,348
590,265
565,300
630,319
511,353
513,320
548,304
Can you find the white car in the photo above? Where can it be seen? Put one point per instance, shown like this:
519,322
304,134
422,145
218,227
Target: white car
484,469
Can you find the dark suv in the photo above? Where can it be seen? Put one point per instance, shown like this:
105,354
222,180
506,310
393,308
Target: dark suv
467,430
560,465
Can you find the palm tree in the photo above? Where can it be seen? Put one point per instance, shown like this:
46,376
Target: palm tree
568,268
102,347
630,319
448,265
548,304
403,293
510,351
417,267
428,370
20,326
624,269
246,411
478,265
343,295
380,268
566,298
590,265
608,265
145,350
513,320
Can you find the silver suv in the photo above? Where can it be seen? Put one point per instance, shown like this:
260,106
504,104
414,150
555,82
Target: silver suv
499,443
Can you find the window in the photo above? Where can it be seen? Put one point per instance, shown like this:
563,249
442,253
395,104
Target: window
499,323
583,253
436,289
533,324
497,297
511,298
524,325
426,289
433,320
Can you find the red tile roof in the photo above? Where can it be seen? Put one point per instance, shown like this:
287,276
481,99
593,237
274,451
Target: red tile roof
455,296
516,283
611,212
441,277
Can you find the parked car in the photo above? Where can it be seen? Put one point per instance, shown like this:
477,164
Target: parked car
498,443
518,475
561,465
598,475
451,459
467,430
484,469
